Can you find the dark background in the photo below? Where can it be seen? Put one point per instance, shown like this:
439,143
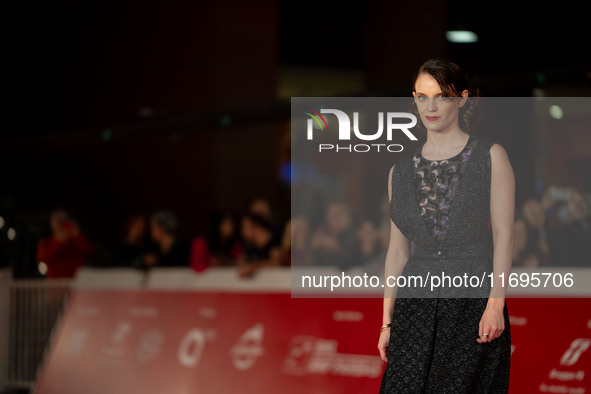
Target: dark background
117,107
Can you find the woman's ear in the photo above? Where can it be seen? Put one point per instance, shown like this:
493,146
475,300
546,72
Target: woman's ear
464,98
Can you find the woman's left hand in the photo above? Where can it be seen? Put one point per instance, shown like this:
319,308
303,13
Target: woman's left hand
491,323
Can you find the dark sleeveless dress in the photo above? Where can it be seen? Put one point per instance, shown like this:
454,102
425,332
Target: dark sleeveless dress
444,207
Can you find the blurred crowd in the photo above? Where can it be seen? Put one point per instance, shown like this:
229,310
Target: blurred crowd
249,242
554,230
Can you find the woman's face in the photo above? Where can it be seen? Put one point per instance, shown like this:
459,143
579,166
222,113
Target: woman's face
337,218
438,113
137,228
226,228
534,213
367,233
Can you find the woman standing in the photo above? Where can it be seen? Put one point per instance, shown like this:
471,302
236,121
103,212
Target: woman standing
446,196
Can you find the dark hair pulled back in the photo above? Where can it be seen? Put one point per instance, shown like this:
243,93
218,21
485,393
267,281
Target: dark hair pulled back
453,81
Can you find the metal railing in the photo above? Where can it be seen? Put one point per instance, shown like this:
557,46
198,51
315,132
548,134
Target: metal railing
33,309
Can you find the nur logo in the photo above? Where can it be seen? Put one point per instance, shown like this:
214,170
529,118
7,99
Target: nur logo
317,117
386,123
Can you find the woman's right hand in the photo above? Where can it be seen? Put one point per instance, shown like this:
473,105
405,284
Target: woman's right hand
383,344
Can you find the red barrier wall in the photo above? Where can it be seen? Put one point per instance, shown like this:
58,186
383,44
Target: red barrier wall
146,341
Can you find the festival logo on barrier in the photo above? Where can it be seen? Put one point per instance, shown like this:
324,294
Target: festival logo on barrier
191,348
310,355
248,348
76,342
150,344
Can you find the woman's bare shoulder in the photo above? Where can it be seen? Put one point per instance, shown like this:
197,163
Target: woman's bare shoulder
498,152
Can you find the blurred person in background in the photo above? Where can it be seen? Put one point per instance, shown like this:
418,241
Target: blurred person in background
569,223
384,225
135,244
222,246
295,246
262,207
169,250
246,234
369,242
536,245
264,248
520,241
335,242
286,244
66,249
375,266
224,241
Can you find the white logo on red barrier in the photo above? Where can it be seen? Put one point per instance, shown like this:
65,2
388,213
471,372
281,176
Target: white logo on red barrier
310,355
76,342
347,316
149,346
576,348
208,313
113,352
192,345
299,352
517,321
120,333
567,375
248,348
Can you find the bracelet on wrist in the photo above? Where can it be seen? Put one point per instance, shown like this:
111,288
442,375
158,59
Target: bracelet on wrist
385,327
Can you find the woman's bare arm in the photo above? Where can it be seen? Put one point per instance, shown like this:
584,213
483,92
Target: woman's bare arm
502,207
396,258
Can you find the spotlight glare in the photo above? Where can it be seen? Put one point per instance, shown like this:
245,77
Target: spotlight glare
42,268
461,36
556,112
